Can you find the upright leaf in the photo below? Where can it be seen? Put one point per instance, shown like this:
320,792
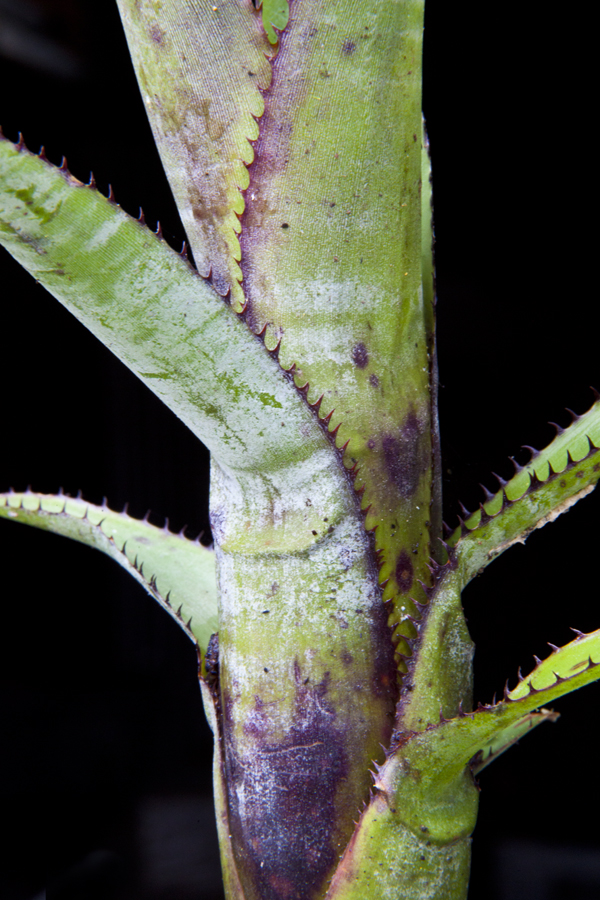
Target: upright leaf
203,111
331,256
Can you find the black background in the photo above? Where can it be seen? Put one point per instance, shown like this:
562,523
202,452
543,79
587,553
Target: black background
100,707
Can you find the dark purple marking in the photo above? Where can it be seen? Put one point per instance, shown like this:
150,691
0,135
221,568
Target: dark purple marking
360,357
371,444
385,669
157,34
211,663
251,318
404,572
293,783
374,380
406,455
348,48
218,522
271,153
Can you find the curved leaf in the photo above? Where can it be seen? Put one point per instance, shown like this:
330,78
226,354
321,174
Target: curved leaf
178,573
286,522
555,479
451,745
508,737
424,800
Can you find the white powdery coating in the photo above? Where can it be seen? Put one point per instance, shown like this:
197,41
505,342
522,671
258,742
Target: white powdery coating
279,511
103,234
330,303
276,609
421,869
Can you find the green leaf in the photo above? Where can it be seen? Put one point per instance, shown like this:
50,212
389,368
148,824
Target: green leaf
150,308
555,479
450,746
507,738
275,14
359,329
178,573
285,519
331,256
424,802
201,68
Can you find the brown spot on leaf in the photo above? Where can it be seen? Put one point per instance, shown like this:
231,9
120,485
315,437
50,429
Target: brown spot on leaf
404,572
360,357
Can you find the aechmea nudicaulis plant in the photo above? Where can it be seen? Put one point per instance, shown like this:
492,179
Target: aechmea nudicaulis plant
334,658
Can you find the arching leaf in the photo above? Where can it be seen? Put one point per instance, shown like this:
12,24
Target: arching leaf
555,479
177,572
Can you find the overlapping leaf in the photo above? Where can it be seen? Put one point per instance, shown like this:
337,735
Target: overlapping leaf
331,255
425,802
330,234
154,313
203,108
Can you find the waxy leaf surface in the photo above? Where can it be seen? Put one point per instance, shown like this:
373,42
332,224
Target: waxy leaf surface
331,255
155,314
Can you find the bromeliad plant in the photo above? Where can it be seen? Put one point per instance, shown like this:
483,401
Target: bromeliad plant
301,352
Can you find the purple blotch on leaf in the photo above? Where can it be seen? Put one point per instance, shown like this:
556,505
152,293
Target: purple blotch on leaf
404,572
294,782
406,455
360,357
